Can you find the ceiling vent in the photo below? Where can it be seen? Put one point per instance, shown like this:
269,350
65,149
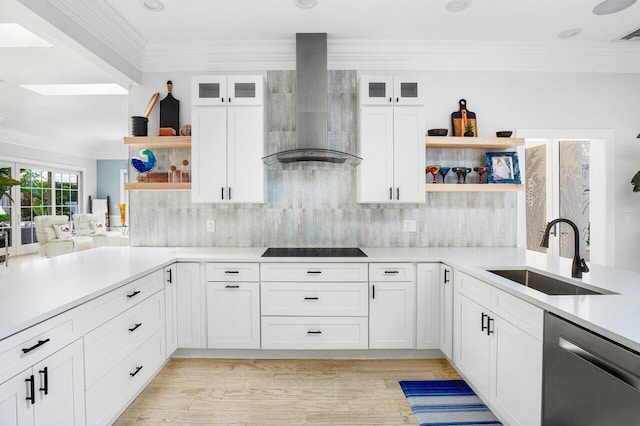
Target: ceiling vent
632,36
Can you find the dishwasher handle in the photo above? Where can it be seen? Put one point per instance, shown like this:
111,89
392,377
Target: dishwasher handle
605,365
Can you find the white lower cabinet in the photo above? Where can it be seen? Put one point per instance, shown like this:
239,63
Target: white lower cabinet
392,306
49,393
191,306
233,315
502,359
171,307
314,332
428,306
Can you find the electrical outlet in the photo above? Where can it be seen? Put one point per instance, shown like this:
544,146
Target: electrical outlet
211,225
409,226
627,217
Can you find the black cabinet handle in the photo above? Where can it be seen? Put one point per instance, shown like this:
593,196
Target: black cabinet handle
37,345
232,272
489,322
398,193
229,197
314,272
373,291
136,372
229,100
446,276
390,99
170,280
397,100
391,272
134,294
311,298
32,388
390,193
231,286
314,332
222,193
222,99
45,387
135,327
484,327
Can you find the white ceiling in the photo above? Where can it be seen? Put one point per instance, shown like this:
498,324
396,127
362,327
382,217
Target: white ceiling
115,40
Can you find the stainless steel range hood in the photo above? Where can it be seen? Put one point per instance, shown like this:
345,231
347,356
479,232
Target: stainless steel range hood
311,106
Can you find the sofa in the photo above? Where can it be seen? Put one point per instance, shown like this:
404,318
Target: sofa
55,236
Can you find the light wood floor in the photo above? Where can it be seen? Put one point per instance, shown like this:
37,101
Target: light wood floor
281,392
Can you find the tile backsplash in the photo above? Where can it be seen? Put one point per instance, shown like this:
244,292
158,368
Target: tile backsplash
314,204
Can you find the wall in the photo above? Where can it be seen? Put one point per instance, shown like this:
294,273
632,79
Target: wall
501,100
314,204
109,182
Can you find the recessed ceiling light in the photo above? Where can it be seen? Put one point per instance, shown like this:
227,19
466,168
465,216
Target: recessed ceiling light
305,4
15,35
607,7
153,5
458,5
570,33
76,89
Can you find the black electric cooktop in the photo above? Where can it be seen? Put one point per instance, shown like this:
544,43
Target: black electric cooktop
313,252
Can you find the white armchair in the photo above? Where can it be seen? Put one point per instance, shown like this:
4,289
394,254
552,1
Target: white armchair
54,236
92,225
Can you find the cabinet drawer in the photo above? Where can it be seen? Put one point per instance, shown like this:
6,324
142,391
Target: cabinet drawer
108,344
233,272
115,390
102,309
314,333
30,346
315,299
518,312
474,289
391,272
319,272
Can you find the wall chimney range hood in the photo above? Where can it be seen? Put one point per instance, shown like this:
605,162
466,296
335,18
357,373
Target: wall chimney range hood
311,106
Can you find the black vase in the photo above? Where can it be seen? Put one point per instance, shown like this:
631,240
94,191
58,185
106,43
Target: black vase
468,134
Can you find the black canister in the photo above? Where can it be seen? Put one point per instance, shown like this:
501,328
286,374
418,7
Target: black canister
139,125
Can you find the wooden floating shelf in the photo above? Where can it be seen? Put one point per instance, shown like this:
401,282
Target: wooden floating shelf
473,187
158,186
158,141
465,142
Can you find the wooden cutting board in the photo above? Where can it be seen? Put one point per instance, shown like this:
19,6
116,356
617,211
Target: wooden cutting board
170,110
460,118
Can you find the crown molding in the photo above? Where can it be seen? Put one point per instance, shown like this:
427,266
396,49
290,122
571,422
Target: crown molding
398,55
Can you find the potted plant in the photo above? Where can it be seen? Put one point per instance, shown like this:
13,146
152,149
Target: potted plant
468,129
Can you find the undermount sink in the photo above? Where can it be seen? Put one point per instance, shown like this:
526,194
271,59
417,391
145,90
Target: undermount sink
546,284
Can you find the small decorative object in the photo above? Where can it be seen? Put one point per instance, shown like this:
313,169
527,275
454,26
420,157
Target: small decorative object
468,130
480,171
170,175
167,131
504,133
462,173
170,110
185,171
437,132
460,118
145,164
185,130
503,167
434,171
444,171
123,214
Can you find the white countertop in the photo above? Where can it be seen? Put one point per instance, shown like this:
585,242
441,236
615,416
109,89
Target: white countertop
35,291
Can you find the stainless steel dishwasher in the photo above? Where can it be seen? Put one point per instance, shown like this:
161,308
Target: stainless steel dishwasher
588,379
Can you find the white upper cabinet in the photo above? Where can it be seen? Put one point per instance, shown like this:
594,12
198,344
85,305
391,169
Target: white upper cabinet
390,90
228,140
227,90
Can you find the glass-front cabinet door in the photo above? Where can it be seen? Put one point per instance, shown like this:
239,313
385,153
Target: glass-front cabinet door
209,90
407,91
245,90
376,90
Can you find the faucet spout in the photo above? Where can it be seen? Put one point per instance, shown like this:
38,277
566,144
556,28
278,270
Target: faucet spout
579,265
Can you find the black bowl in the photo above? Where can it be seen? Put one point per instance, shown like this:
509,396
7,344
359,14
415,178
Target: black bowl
504,134
437,132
